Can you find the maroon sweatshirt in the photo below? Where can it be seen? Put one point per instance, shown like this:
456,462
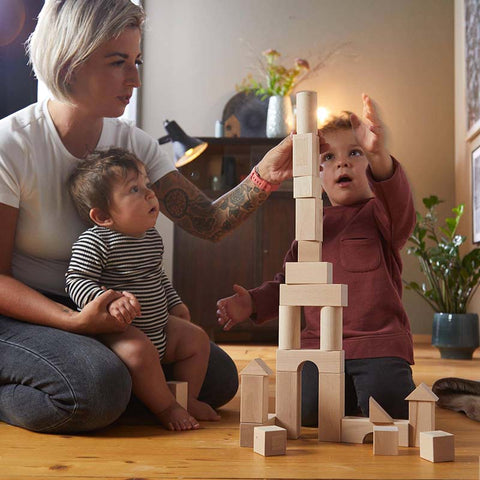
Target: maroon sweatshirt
363,242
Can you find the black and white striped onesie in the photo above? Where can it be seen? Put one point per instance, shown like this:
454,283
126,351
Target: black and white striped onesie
102,257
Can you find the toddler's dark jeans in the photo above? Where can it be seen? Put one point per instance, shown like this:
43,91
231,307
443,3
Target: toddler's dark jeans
388,380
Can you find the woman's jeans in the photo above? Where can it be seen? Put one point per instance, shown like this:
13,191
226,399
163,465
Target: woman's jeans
54,381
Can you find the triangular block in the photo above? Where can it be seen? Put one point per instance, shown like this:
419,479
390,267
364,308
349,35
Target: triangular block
257,367
377,413
422,393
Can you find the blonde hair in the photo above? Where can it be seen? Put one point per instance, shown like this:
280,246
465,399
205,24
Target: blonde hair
69,31
337,122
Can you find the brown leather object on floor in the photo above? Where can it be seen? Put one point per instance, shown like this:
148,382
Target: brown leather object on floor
460,395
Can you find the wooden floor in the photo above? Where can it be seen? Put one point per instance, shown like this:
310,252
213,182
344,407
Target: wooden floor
132,451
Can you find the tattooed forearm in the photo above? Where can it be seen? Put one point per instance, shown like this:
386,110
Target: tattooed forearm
192,210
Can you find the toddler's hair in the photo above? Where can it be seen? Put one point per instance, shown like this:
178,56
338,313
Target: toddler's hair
90,184
337,122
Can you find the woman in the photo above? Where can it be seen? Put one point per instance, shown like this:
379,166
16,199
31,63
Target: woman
54,375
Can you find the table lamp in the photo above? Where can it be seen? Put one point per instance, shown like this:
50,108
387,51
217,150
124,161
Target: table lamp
185,148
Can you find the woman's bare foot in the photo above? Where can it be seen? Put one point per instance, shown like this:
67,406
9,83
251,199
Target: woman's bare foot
175,417
202,410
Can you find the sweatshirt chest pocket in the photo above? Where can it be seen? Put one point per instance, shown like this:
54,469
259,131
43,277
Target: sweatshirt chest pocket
360,254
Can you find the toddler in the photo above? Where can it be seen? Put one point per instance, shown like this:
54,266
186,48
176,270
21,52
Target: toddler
370,219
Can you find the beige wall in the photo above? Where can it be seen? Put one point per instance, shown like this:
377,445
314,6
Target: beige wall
400,52
463,146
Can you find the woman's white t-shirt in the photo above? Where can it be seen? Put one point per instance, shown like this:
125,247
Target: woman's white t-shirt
34,168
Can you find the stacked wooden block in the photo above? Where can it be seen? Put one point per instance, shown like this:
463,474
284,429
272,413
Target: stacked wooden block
308,282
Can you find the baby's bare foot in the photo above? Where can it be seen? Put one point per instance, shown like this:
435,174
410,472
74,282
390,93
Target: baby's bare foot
202,410
175,417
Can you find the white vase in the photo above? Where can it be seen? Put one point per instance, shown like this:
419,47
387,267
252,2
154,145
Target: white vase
279,116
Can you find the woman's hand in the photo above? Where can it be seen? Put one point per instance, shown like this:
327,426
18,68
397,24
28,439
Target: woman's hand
276,166
234,309
95,318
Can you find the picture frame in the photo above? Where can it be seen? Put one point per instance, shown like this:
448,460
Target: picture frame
476,193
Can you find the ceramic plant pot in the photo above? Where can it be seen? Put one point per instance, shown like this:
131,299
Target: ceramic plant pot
279,116
455,334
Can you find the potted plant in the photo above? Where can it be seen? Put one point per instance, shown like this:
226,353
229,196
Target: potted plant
450,280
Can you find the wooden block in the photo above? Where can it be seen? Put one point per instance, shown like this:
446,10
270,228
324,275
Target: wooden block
308,219
270,440
330,295
421,416
385,440
309,251
306,155
289,327
355,429
287,402
298,273
306,109
331,328
437,446
257,367
326,362
377,414
423,393
246,430
254,399
307,187
331,406
180,392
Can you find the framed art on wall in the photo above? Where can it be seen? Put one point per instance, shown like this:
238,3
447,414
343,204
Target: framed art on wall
476,193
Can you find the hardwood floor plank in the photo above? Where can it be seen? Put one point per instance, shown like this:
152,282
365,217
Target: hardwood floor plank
146,451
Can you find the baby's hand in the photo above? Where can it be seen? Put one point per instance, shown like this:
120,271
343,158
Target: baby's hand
125,308
234,309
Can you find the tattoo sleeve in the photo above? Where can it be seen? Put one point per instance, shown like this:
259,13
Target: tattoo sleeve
192,210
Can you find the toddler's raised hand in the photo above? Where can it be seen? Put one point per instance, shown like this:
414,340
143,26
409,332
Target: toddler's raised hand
234,309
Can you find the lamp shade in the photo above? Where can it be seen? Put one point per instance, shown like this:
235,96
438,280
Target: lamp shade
185,148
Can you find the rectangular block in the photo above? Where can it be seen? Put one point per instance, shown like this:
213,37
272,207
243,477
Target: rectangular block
309,219
246,430
306,155
269,441
309,251
307,187
385,440
326,362
254,399
437,446
331,406
299,273
330,295
180,392
287,402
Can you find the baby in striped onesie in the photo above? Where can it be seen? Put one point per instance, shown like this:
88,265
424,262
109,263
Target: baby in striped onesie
123,251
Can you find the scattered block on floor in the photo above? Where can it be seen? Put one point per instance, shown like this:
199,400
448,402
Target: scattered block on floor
385,440
180,392
355,429
270,440
437,446
246,430
309,251
299,273
377,414
314,295
309,219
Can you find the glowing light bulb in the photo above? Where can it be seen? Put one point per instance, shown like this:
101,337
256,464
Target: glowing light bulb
322,115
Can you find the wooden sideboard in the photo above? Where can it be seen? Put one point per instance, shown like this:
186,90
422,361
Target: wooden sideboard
204,271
